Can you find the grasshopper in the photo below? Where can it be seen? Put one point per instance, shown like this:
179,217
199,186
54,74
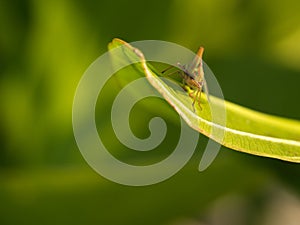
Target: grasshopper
193,76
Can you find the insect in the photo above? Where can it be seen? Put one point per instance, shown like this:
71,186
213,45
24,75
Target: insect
193,76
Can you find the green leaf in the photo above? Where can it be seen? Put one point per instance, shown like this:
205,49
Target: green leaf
245,130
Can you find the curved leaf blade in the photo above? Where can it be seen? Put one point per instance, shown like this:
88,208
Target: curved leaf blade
246,130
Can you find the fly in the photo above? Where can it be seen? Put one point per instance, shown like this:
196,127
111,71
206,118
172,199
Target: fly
193,76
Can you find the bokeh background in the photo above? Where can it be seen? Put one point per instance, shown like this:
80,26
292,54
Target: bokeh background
253,47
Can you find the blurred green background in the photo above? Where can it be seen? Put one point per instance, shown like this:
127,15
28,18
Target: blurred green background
253,47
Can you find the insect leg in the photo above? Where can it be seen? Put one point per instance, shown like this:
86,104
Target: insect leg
195,98
199,97
171,73
206,90
182,76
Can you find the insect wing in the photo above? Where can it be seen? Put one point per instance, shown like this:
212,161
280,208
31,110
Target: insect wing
195,68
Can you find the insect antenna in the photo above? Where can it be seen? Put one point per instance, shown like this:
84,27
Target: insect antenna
168,68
